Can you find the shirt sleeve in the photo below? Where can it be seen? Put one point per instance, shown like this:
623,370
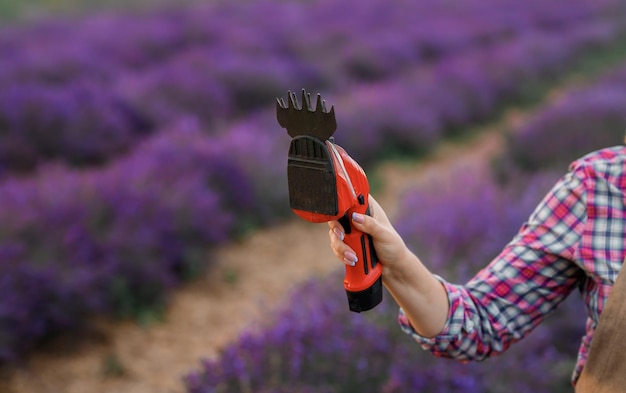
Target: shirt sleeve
520,287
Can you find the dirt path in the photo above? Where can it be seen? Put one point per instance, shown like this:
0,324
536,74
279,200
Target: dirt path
251,278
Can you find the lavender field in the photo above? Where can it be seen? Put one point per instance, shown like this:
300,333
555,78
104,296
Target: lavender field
133,143
458,224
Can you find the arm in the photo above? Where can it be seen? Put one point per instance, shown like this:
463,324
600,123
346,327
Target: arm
505,300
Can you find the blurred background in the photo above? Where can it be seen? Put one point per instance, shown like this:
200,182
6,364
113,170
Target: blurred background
139,137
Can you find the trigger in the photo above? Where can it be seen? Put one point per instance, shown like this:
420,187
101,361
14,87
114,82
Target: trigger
345,223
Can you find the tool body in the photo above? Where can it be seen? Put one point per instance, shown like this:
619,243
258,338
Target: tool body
326,184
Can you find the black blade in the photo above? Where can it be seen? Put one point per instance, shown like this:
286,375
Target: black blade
303,119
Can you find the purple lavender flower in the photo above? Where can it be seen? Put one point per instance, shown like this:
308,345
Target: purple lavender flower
579,121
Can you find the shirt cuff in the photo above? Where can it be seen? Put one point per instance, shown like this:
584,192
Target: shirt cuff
452,327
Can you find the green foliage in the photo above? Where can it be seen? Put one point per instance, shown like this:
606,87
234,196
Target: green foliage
145,305
29,9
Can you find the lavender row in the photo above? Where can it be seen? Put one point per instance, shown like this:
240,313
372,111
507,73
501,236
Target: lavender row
576,122
98,47
420,107
116,241
81,124
316,345
90,89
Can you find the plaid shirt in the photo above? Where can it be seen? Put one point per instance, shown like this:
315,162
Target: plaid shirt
575,238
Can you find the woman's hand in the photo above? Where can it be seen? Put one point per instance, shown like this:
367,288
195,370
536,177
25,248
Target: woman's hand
388,244
414,288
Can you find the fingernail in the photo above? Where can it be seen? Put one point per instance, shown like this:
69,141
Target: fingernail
338,232
357,217
350,258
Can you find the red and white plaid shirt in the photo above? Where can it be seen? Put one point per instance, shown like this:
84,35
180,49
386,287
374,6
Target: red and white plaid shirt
575,237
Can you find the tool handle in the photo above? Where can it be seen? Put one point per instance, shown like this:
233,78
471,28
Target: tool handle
363,281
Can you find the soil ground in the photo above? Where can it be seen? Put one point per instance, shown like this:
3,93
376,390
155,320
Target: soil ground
251,278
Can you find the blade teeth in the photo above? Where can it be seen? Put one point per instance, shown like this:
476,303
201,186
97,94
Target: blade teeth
319,105
293,101
306,100
298,121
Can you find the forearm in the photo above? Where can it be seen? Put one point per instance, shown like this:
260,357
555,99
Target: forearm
420,294
479,324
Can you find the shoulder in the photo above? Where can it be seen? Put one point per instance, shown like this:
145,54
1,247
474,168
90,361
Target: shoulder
606,163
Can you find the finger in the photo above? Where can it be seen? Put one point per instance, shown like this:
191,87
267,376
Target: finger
364,223
335,224
337,229
350,258
341,250
338,232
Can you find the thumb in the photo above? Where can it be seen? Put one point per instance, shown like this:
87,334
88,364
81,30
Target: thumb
364,223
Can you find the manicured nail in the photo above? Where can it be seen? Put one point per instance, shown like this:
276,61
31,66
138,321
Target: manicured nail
350,258
356,217
338,232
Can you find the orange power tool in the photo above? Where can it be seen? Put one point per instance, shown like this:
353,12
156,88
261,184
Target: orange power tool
326,184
